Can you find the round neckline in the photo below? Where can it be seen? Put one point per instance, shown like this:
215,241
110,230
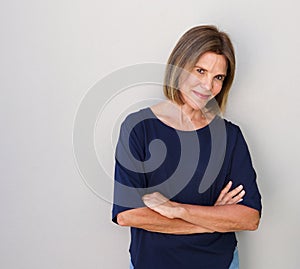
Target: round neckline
177,130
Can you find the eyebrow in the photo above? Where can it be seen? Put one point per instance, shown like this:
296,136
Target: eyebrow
224,75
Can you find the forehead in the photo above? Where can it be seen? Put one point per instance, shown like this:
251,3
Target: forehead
212,62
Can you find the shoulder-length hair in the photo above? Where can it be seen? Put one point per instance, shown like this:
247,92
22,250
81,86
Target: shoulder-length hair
190,47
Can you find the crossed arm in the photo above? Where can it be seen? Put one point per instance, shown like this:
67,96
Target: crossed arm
164,216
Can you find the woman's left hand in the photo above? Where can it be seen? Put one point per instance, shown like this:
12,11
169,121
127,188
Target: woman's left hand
230,197
160,204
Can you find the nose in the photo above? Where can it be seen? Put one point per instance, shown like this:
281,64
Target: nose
207,83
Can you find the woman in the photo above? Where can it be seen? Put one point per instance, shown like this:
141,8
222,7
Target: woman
178,223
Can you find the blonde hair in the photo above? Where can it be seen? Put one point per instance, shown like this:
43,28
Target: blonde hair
190,47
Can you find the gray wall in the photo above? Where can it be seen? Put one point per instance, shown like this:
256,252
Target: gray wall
53,52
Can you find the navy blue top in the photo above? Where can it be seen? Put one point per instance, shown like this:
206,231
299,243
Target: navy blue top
189,167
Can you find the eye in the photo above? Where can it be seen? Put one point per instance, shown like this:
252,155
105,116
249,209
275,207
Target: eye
200,70
220,77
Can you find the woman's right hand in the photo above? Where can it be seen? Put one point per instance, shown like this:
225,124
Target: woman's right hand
228,197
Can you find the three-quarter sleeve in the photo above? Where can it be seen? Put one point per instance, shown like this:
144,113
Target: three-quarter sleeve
243,172
129,178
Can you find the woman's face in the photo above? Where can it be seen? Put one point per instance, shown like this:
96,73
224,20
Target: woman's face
204,81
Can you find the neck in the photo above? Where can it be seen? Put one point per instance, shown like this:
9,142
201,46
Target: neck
186,114
192,114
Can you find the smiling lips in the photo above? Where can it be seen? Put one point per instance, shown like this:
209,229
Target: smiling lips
200,95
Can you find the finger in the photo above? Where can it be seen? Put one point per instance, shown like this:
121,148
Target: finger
224,191
241,194
158,196
238,198
235,191
148,202
154,199
229,195
152,196
227,199
146,198
227,187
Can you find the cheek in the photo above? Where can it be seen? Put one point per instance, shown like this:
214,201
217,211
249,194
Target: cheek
193,80
216,89
189,82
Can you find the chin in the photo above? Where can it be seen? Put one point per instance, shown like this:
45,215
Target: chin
189,101
196,105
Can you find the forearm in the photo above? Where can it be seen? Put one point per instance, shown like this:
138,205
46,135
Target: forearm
150,220
225,218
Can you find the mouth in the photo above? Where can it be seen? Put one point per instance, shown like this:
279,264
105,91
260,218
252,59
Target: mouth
201,96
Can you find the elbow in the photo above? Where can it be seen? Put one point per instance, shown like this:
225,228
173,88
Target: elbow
253,227
254,223
121,220
251,219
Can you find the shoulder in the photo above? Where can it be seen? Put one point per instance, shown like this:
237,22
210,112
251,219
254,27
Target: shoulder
134,118
134,123
231,125
233,129
235,135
